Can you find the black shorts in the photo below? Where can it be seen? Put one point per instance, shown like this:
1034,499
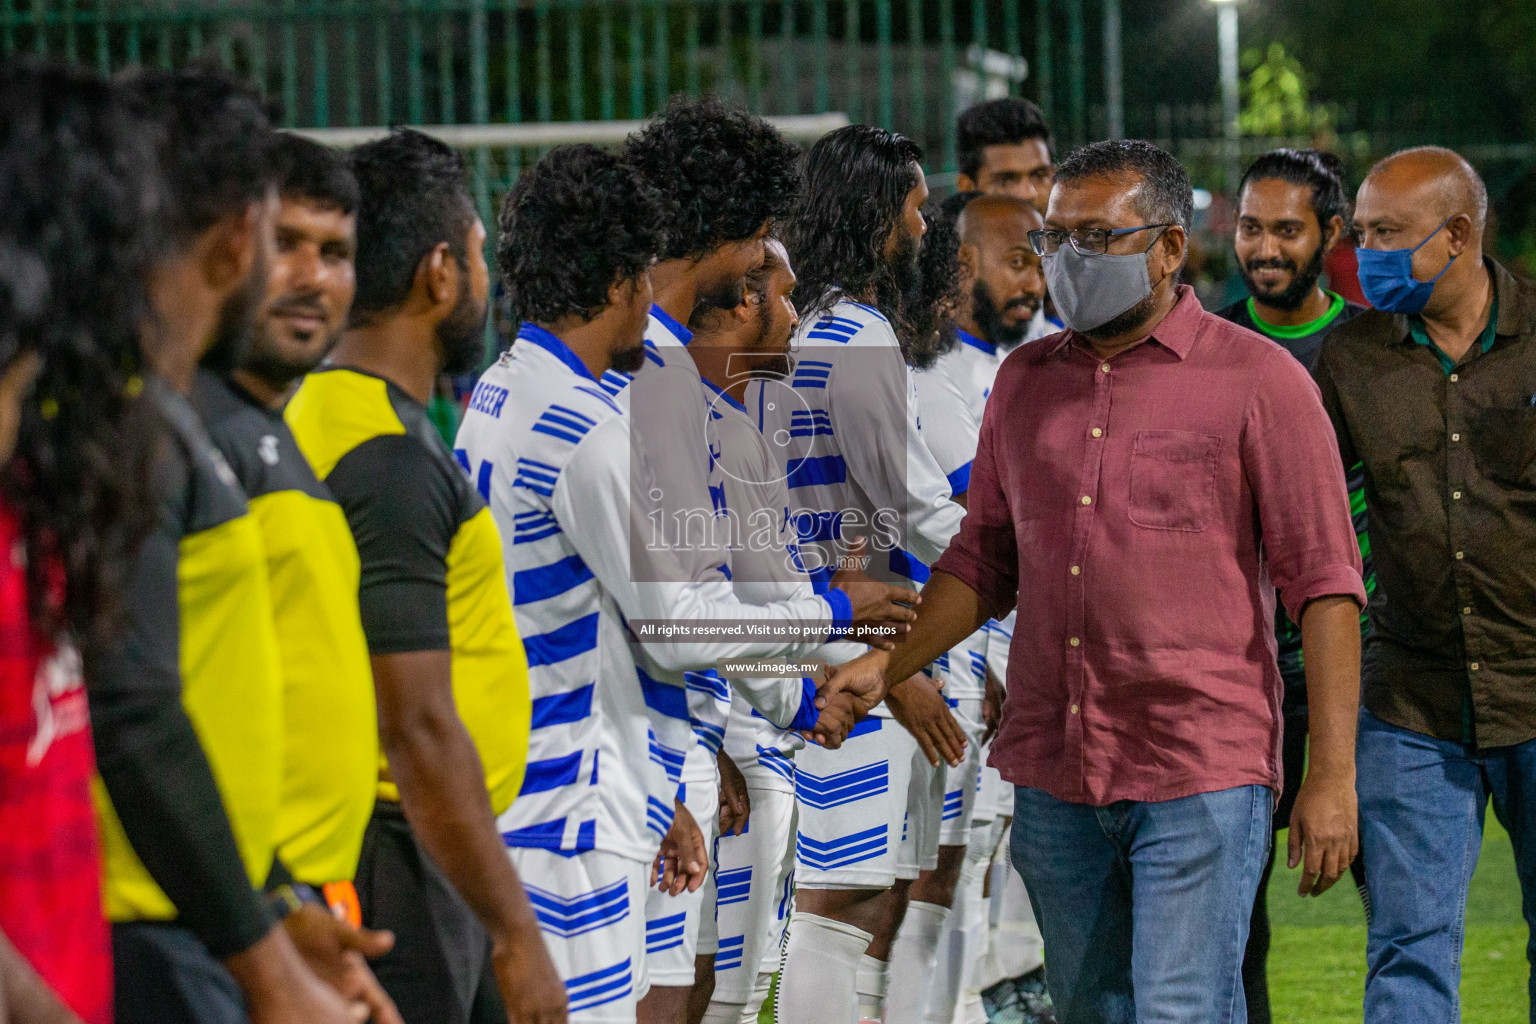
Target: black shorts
163,974
440,969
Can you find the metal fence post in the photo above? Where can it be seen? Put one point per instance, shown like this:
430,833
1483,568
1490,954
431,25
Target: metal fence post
886,72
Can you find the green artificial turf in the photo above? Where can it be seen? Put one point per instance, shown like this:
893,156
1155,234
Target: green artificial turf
1317,960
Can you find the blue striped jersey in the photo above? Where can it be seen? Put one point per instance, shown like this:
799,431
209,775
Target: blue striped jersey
611,730
765,567
951,395
844,429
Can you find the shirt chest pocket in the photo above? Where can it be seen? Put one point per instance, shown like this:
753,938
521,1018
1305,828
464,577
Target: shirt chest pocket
1173,480
1504,442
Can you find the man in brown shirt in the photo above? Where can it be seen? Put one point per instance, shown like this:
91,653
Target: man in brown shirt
1435,393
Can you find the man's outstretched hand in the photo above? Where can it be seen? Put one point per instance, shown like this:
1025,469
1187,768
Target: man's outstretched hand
839,713
920,709
683,861
875,604
862,679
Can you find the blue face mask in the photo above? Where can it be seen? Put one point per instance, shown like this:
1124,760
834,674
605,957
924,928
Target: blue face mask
1386,277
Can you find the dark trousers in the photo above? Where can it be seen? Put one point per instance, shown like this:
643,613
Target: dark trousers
1256,956
440,969
163,974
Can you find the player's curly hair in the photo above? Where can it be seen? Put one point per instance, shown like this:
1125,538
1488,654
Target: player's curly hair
856,184
718,171
576,222
931,305
80,205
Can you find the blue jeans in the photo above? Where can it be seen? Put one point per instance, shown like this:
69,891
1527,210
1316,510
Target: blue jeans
1422,803
1144,907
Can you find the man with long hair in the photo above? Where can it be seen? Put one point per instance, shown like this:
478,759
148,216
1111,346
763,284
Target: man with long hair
187,701
846,435
77,219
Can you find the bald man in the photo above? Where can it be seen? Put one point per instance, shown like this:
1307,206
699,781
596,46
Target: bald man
1002,287
1434,392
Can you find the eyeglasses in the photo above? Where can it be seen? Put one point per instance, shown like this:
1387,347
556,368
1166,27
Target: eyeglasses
1088,241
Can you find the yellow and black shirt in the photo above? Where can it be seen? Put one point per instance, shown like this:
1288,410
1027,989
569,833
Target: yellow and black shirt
432,570
331,738
187,705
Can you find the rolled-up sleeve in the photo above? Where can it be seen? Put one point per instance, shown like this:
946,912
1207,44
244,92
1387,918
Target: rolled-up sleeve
1291,462
984,554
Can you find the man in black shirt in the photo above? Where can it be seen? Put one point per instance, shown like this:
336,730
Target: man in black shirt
186,703
1291,211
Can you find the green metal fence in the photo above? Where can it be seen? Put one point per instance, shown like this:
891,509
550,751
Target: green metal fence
371,62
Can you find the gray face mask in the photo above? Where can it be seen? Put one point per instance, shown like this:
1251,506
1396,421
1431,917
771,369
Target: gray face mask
1090,291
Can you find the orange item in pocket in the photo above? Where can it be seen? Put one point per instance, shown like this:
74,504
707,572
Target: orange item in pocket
343,901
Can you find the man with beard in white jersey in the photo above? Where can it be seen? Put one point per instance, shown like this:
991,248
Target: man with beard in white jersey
720,176
746,902
1001,287
551,450
846,434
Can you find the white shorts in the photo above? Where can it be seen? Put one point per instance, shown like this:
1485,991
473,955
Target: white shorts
589,909
749,895
995,793
672,922
868,811
961,784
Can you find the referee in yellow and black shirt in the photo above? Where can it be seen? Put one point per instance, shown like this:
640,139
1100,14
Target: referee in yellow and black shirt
449,670
187,701
330,730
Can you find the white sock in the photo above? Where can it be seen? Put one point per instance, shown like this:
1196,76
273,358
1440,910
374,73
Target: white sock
759,994
723,1013
873,977
963,940
818,983
913,956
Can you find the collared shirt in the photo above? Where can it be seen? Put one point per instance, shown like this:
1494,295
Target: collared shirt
429,553
330,726
1420,335
1305,341
1137,509
1450,481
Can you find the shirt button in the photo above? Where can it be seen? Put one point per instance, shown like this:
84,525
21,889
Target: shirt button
1087,500
1455,377
1074,641
1460,555
1077,570
1474,666
1105,368
1455,437
1456,495
1096,432
1467,610
1074,709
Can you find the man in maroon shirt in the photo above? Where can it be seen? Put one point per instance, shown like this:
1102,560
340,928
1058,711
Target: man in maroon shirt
1145,482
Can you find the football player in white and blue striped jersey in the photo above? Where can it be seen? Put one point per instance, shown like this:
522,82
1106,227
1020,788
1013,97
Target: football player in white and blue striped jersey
551,451
845,430
720,175
747,907
1002,288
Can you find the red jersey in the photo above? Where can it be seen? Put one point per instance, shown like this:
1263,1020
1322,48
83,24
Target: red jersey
50,860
